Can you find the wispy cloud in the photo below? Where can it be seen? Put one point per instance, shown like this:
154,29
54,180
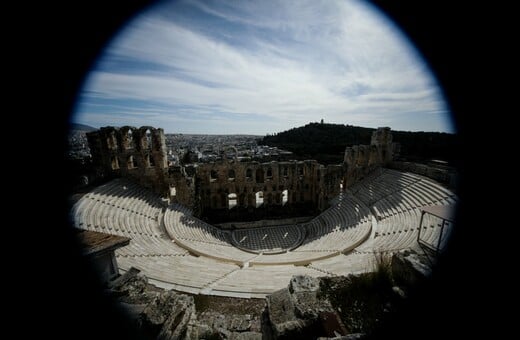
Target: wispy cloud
261,67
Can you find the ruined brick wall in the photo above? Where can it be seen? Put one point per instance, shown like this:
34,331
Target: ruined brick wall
182,187
360,160
231,190
384,147
253,190
139,153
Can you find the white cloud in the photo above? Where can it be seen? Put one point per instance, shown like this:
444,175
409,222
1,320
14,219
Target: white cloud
301,62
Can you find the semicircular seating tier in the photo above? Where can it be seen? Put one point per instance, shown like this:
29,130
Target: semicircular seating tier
339,229
175,250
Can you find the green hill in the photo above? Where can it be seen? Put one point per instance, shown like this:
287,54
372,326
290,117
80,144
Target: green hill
326,142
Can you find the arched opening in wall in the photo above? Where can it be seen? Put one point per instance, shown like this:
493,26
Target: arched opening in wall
213,175
231,175
130,164
151,162
300,170
269,173
112,142
232,200
285,196
260,176
259,198
249,174
148,136
130,142
173,191
115,163
285,171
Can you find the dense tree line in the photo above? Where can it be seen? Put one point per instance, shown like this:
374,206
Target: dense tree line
326,142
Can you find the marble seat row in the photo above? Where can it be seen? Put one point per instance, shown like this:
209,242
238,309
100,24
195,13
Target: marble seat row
123,208
341,228
398,212
268,240
177,250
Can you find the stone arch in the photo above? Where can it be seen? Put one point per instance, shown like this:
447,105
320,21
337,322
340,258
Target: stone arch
259,175
130,162
127,138
112,140
232,200
130,139
213,175
249,174
269,173
173,190
150,160
285,196
114,161
145,137
259,199
148,138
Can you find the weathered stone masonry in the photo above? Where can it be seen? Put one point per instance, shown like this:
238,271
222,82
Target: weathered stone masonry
253,191
139,153
360,160
231,190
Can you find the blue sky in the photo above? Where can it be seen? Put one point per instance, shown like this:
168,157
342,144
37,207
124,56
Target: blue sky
258,67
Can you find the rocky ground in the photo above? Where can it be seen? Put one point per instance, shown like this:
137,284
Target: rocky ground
309,308
229,305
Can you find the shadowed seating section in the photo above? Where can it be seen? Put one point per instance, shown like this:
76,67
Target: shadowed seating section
176,250
396,199
340,228
126,209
